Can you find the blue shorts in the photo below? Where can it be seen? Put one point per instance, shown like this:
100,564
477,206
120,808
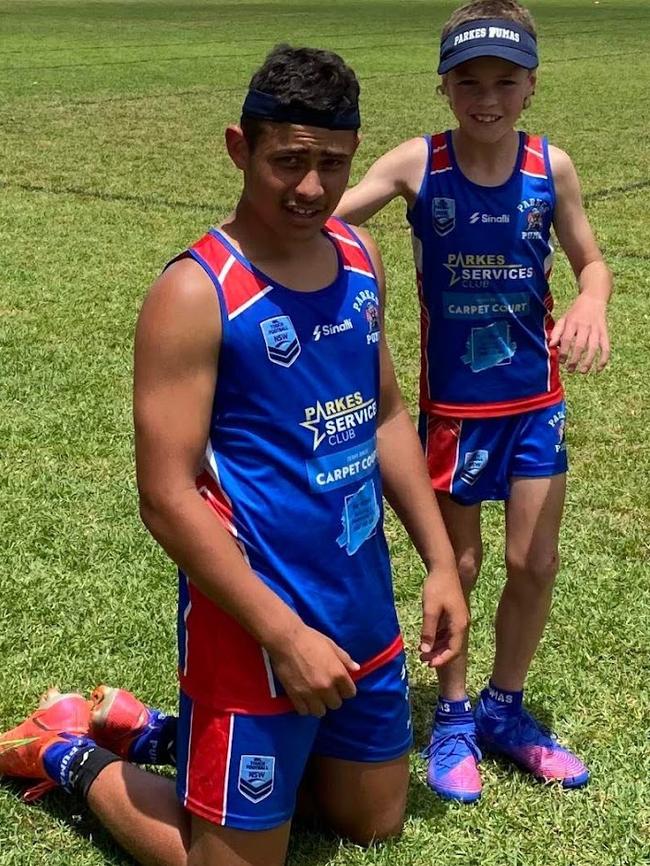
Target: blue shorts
244,771
474,459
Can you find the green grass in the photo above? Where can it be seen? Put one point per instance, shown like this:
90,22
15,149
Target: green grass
111,133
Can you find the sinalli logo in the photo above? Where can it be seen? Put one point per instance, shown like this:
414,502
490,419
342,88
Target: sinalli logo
488,218
331,330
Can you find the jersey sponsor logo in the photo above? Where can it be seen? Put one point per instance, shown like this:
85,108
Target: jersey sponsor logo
256,777
336,420
475,462
360,518
470,305
282,343
558,423
535,210
488,218
343,467
490,346
331,330
444,215
478,271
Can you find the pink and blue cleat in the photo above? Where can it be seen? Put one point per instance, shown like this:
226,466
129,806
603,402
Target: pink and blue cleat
130,729
59,724
453,754
517,735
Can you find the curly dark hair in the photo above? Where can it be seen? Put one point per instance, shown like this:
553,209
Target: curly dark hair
312,77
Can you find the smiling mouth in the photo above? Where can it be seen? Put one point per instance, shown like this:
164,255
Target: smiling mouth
486,118
301,211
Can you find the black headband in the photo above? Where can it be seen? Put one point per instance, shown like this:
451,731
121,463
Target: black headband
265,106
492,37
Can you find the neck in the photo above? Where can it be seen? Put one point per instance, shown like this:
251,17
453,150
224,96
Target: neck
488,164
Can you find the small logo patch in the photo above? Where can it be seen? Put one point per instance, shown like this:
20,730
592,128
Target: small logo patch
475,463
256,777
444,215
282,343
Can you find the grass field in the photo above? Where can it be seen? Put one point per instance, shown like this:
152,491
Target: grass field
110,128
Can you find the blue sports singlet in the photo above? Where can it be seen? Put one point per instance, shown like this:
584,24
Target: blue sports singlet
483,258
291,469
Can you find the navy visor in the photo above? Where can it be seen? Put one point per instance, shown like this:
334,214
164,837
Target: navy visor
490,37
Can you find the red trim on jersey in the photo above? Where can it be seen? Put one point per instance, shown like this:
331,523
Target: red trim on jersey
425,324
347,243
382,658
239,285
442,447
533,161
498,410
440,157
206,783
214,495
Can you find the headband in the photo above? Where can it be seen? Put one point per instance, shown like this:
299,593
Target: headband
266,106
493,37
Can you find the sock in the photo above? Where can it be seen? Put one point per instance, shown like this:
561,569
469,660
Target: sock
502,702
75,762
446,709
157,742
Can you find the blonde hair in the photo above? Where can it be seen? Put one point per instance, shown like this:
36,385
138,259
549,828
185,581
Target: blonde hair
476,10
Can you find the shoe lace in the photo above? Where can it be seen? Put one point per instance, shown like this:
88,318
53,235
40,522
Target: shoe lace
529,731
450,747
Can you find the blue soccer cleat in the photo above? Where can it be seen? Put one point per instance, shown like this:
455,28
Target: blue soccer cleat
521,738
453,756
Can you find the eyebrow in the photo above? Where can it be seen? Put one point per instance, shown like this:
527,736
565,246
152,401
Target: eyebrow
298,149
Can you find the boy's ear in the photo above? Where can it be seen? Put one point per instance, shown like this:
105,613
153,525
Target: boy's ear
532,81
237,146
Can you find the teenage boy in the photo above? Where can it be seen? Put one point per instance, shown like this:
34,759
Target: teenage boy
481,202
268,422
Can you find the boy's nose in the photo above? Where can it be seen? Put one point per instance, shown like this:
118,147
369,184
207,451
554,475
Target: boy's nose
310,186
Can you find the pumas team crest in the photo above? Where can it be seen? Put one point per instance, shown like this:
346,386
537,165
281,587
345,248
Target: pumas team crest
282,343
256,777
444,215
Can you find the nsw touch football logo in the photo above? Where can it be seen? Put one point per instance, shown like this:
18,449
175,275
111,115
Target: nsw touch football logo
282,343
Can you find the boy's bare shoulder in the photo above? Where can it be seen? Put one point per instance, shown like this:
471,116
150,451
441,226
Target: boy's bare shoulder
561,162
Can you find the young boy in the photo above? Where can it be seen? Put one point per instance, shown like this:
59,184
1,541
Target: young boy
268,423
481,202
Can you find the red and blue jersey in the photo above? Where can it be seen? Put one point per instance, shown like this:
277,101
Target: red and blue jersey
483,258
291,470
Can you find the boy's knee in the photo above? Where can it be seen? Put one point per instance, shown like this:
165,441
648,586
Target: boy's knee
533,572
469,566
370,829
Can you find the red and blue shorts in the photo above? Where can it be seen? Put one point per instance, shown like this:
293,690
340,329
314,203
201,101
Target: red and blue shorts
473,459
243,771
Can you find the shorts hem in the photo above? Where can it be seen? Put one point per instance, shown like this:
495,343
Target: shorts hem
540,472
233,821
368,758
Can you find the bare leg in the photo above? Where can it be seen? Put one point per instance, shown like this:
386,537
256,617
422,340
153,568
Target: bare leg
142,813
364,802
463,523
533,516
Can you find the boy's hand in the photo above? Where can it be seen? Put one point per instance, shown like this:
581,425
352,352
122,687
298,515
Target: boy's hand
314,671
445,618
582,335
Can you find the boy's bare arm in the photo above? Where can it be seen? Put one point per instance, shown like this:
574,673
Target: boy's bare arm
581,333
176,353
397,173
407,488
